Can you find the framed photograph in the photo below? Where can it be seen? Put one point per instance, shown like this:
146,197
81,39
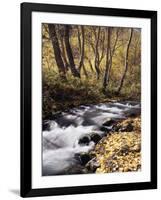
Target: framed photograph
88,99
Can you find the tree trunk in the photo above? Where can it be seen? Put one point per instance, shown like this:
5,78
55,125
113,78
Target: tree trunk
60,33
85,71
126,61
81,50
101,56
90,64
70,54
106,74
63,51
96,56
56,48
112,51
81,47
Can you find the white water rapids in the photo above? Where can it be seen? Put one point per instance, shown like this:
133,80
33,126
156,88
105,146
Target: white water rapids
61,142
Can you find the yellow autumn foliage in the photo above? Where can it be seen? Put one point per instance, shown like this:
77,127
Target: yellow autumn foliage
120,151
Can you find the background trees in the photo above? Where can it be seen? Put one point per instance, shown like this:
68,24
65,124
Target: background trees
74,71
56,48
108,60
126,61
90,61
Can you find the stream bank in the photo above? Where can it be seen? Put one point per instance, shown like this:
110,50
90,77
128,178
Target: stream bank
120,150
72,139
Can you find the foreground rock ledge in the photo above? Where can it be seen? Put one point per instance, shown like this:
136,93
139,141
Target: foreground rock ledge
119,151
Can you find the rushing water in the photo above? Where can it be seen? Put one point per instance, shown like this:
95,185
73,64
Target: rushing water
61,141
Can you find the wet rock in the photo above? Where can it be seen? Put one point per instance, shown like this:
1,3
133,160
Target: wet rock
92,165
133,113
64,122
127,128
84,140
46,126
123,127
95,137
83,158
116,128
104,129
109,122
56,115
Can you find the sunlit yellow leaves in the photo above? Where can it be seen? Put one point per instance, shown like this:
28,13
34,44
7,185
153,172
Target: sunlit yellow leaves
120,151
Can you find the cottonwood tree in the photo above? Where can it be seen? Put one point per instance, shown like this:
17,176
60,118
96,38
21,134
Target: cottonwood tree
56,48
112,52
101,51
126,61
74,71
97,43
81,42
107,67
96,51
61,34
81,46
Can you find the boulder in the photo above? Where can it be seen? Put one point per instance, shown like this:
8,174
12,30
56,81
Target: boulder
109,122
104,129
133,112
84,158
116,128
127,128
46,126
123,128
95,137
84,140
92,165
56,115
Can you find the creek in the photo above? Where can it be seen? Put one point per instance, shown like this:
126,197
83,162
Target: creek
70,134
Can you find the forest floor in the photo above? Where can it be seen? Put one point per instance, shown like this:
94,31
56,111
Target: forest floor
120,150
63,95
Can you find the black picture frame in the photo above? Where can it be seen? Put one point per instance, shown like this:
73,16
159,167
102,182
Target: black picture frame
26,103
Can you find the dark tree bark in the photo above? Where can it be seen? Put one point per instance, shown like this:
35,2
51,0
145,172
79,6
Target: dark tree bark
112,51
81,47
61,38
101,56
126,61
64,55
56,48
96,63
98,54
106,74
69,53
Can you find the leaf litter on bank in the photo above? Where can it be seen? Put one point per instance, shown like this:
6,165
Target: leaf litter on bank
120,151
